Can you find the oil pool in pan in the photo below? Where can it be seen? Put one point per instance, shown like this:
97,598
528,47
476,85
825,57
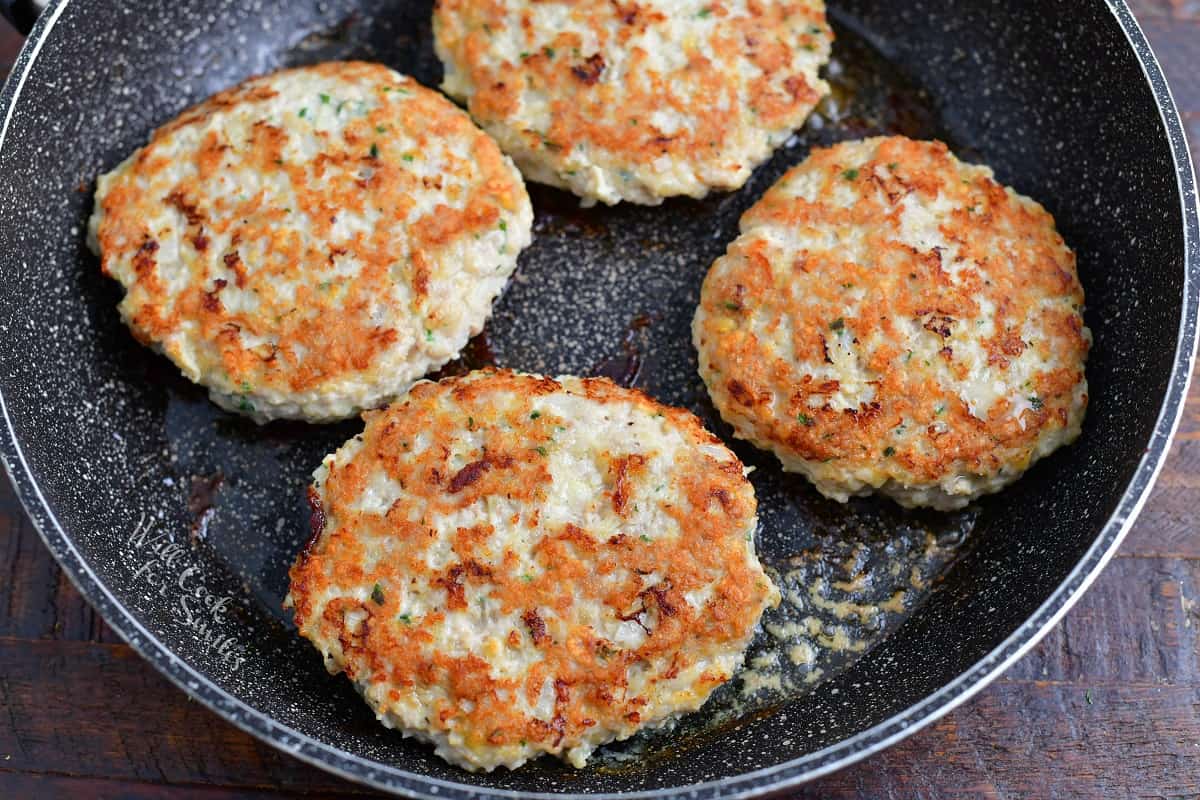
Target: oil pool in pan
849,574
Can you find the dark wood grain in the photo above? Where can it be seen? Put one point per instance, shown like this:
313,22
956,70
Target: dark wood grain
125,723
1107,705
44,785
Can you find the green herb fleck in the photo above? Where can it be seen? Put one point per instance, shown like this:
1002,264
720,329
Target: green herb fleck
941,409
377,595
908,356
245,405
525,54
645,538
381,128
406,619
814,30
302,113
324,98
705,13
470,423
1036,402
733,306
428,335
850,174
1088,696
541,450
892,167
549,51
535,414
889,452
408,157
246,387
503,225
527,578
806,420
838,324
374,150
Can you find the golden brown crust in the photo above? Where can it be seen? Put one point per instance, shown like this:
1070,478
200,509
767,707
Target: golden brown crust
311,322
598,85
573,568
766,329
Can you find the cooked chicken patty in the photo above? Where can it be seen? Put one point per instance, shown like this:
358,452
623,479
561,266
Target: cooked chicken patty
508,565
635,101
894,320
309,243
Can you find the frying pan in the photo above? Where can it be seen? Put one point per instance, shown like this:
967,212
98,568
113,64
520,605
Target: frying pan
178,521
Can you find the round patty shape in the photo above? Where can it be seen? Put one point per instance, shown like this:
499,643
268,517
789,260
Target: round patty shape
894,320
309,243
635,101
508,565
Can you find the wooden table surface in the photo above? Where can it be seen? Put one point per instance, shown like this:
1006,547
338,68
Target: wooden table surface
1107,706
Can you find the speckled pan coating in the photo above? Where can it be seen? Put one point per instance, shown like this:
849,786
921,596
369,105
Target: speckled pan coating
99,436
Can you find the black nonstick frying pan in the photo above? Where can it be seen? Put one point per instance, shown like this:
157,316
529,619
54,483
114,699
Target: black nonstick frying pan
178,521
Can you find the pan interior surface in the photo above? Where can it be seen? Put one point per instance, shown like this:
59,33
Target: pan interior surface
183,519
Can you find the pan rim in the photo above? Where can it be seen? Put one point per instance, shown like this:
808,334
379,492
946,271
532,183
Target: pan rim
774,778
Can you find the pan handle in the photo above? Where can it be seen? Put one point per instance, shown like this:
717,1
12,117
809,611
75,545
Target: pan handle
22,13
